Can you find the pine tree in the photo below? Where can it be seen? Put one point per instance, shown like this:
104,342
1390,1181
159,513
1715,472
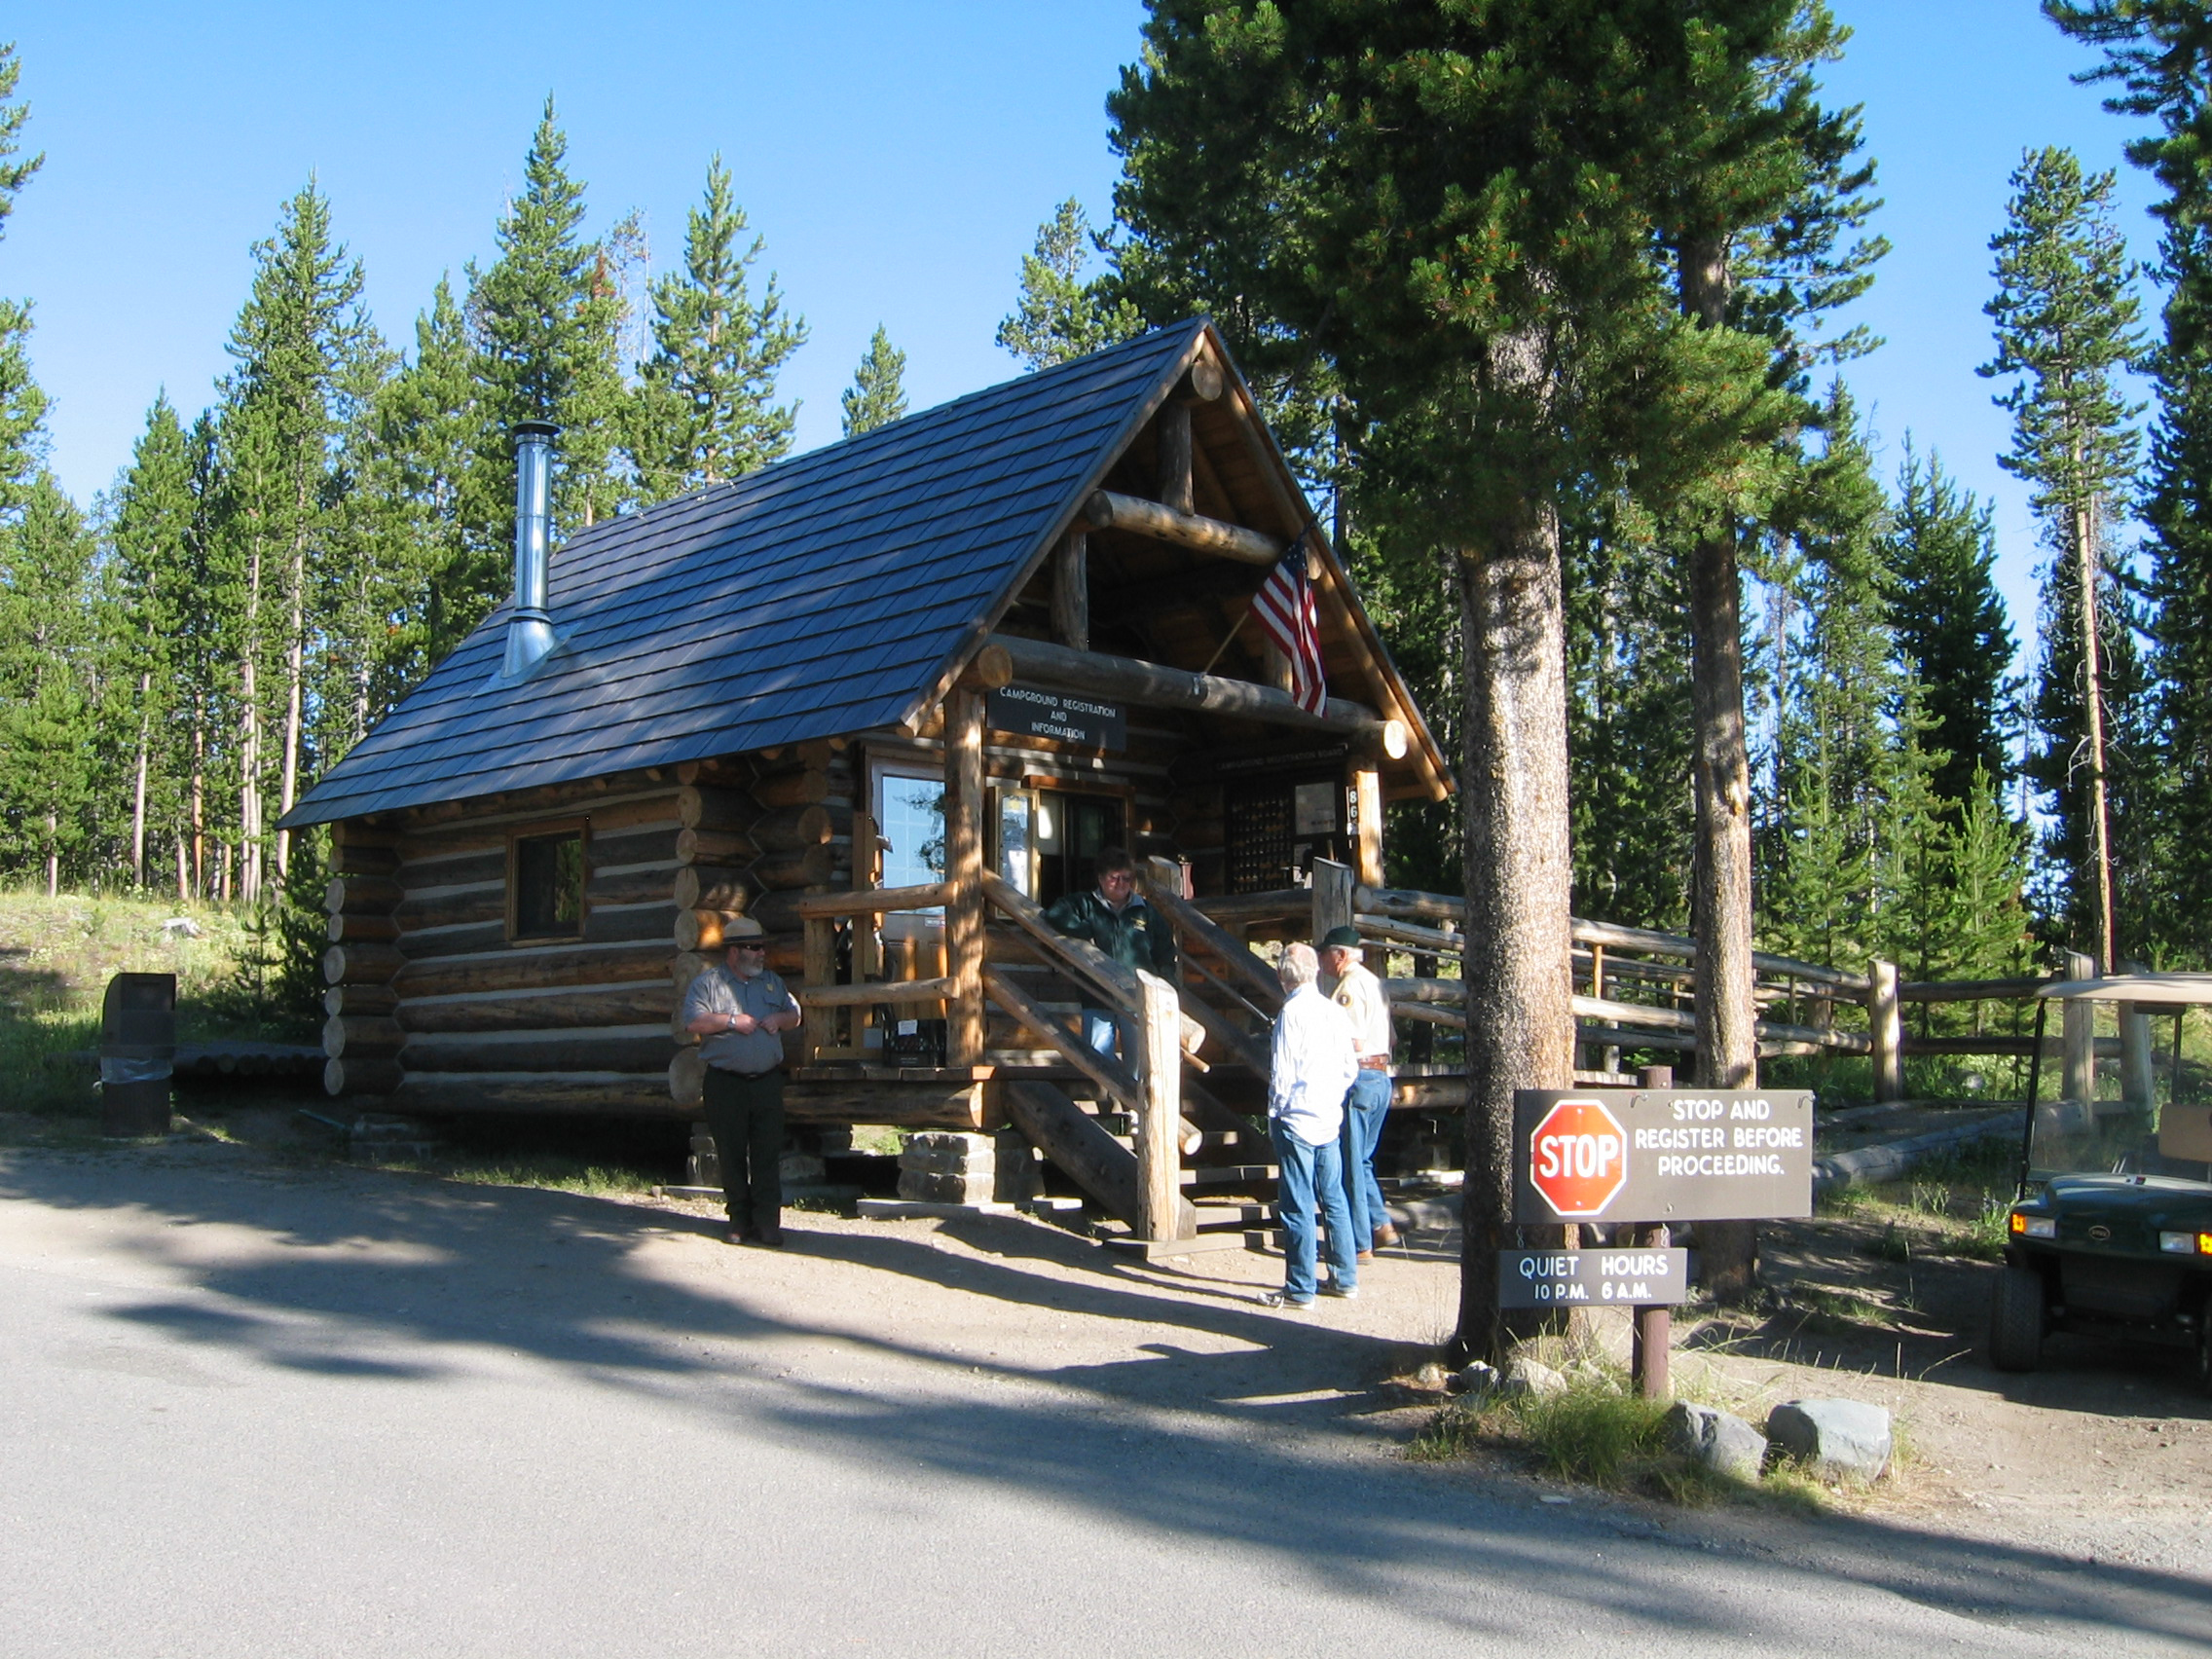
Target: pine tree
1453,209
1063,313
426,467
149,574
294,343
706,409
23,405
547,320
878,395
2065,317
46,726
2156,52
1951,622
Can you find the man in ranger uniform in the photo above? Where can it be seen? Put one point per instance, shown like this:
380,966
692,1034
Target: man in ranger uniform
1361,996
739,1013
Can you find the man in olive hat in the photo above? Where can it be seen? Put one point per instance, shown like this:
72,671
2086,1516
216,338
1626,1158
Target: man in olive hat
1360,994
739,1013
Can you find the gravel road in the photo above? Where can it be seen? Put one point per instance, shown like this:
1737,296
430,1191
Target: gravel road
249,1409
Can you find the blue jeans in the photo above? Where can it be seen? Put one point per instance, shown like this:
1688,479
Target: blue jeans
1311,1173
1102,1031
1366,1108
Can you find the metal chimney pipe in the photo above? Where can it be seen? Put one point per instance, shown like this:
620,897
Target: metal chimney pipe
530,631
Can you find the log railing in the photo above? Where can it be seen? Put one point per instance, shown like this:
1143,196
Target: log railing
1609,959
1150,1086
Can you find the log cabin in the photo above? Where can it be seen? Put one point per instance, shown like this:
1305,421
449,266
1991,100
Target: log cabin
888,698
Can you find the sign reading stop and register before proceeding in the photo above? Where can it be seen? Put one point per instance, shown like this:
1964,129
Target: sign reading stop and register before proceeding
1662,1155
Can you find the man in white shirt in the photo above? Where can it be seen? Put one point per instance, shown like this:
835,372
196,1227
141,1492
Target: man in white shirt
1360,994
1310,1069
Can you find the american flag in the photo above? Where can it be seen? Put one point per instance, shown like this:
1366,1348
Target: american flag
1286,613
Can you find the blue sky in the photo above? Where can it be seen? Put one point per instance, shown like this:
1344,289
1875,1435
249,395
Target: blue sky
898,157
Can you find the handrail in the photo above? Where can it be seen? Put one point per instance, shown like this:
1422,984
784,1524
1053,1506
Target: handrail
869,991
873,901
1106,1072
1233,953
1117,983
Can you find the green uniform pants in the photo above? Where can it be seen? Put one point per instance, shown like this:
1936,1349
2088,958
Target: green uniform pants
746,1117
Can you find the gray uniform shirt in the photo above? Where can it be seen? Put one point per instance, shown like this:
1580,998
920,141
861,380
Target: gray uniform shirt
719,991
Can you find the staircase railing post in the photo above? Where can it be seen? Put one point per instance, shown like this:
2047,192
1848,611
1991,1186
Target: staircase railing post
1160,1159
964,873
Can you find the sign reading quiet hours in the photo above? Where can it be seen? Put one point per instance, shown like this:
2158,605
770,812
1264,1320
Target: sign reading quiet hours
1655,1154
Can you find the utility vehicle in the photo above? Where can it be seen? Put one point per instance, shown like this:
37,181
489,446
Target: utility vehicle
2111,1231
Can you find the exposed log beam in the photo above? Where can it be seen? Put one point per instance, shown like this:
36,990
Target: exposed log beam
1150,684
1109,510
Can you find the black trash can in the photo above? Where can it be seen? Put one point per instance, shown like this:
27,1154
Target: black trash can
138,1054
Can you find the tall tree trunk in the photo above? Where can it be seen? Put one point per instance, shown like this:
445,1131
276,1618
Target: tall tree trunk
199,796
2093,724
249,747
183,874
138,792
1721,900
295,672
1513,797
53,855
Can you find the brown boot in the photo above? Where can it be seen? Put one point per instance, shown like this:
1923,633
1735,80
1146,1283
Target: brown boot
1386,1236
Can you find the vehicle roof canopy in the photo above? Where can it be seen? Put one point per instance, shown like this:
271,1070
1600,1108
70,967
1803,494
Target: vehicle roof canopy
2174,990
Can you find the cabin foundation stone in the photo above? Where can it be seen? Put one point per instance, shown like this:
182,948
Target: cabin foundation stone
949,1167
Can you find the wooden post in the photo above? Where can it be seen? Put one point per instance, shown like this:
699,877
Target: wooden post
1175,457
2081,1032
1160,1160
1331,897
964,873
1654,1327
2135,1050
1071,590
1886,1025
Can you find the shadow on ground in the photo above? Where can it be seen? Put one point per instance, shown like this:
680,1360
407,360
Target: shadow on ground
410,1280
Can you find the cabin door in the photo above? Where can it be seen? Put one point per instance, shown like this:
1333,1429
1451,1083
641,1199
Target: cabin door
1049,838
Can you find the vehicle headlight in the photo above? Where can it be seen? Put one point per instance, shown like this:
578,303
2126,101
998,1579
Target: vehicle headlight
2186,1244
2034,1225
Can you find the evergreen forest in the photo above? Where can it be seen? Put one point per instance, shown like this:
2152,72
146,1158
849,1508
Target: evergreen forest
1663,416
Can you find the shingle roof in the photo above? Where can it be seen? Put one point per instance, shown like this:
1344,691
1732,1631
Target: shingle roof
821,595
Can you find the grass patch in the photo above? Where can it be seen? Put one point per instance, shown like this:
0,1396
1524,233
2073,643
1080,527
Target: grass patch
1593,1432
553,1174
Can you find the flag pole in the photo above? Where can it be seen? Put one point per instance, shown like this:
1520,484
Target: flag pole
1235,627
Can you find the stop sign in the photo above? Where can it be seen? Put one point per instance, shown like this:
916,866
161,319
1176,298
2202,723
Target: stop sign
1578,1158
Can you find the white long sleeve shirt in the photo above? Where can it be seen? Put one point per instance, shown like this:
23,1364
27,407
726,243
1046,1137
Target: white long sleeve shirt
1310,1066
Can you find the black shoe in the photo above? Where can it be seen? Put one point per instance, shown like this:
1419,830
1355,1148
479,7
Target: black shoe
737,1235
769,1238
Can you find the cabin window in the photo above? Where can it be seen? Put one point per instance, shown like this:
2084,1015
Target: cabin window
546,879
909,814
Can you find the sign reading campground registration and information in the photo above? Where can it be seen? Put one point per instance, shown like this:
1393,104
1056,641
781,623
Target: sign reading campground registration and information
1662,1155
1031,711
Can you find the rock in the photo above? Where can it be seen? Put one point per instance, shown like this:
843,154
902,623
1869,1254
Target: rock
183,927
948,1153
1721,1441
1480,1378
1432,1377
1833,1437
802,1170
1524,1376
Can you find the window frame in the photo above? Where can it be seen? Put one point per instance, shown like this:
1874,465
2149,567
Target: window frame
581,828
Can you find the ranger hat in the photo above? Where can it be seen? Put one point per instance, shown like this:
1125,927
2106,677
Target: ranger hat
738,930
1340,939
